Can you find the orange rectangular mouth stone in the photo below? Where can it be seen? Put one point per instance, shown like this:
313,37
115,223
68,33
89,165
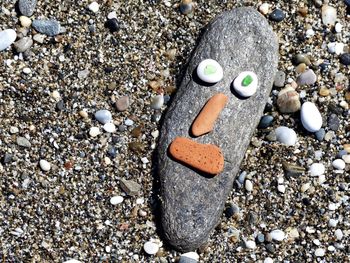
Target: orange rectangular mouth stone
205,120
203,157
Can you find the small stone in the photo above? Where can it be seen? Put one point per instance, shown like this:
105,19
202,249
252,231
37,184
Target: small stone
39,38
319,252
115,200
21,141
48,27
82,74
250,244
288,100
7,158
301,68
307,78
103,116
27,7
329,15
260,238
210,71
271,136
338,27
112,15
25,21
45,165
305,187
310,117
129,122
324,92
332,222
109,127
281,188
157,102
7,37
280,79
277,235
130,187
339,234
83,114
338,164
286,135
189,257
94,131
122,103
231,210
346,158
317,169
264,8
320,134
14,129
344,59
151,248
94,7
113,25
186,7
347,2
23,44
301,58
277,15
292,169
333,122
265,122
246,84
248,185
268,260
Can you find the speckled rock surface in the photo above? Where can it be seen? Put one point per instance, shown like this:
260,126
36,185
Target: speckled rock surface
192,204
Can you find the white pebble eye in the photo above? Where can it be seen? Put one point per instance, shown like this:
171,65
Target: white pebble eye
246,83
210,71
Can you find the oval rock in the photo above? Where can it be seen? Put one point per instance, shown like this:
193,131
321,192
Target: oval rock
310,117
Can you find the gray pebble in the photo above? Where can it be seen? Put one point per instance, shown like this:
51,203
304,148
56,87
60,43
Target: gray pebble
242,177
301,58
260,238
333,122
307,78
271,136
122,128
130,187
280,79
270,248
48,27
320,134
156,117
341,153
23,44
103,116
27,7
21,141
7,158
122,103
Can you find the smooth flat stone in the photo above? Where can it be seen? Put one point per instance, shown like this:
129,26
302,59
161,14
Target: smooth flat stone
192,203
47,27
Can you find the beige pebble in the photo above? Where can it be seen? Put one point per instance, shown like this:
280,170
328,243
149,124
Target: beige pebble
346,147
25,21
83,114
324,92
301,68
264,8
56,95
94,131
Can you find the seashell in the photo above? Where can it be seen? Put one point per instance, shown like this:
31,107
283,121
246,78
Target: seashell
288,100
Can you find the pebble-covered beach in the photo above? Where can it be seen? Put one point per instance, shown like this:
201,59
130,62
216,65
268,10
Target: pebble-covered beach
83,88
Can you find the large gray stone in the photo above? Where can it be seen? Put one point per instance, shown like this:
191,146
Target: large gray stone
192,203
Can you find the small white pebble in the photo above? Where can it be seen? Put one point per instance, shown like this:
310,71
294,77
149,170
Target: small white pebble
151,248
27,71
264,8
115,200
332,222
338,164
112,15
338,27
107,160
109,127
144,160
321,179
45,165
339,234
94,131
108,249
332,206
320,252
316,242
56,95
94,7
14,129
128,122
155,134
346,158
317,169
268,260
277,235
310,33
250,244
140,201
25,21
331,248
248,185
281,188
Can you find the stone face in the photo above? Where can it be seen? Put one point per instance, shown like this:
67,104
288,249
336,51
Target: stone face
47,27
188,215
27,7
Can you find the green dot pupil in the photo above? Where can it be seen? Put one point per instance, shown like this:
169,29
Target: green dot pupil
247,81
